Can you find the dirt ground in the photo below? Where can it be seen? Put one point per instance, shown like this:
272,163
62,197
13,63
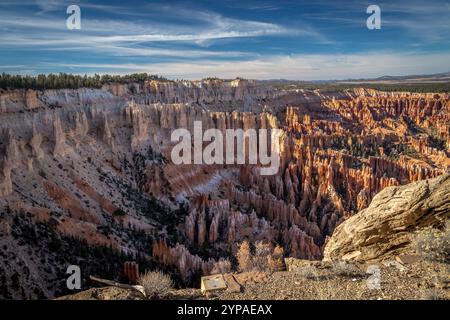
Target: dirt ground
317,281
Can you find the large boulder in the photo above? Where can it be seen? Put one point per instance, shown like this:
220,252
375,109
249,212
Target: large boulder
387,225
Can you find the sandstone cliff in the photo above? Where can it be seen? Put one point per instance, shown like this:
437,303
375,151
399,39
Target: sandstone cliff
387,224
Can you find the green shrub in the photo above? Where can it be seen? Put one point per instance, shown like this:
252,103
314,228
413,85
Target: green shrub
433,244
308,272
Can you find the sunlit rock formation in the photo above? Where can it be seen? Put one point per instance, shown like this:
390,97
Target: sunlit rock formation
95,165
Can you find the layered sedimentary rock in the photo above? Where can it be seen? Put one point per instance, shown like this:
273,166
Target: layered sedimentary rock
203,222
387,224
8,160
205,91
188,264
59,137
96,164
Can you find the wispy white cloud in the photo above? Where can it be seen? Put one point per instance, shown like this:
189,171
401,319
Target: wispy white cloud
214,26
425,20
185,42
49,5
122,38
298,67
122,51
428,29
12,66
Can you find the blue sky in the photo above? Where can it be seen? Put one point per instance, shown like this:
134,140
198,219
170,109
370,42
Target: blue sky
305,40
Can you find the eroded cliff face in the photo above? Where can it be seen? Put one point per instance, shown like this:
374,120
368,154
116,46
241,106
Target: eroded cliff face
387,226
216,94
94,165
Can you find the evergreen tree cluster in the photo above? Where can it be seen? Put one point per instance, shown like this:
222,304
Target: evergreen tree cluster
70,81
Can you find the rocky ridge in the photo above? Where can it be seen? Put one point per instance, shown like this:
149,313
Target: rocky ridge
95,164
387,225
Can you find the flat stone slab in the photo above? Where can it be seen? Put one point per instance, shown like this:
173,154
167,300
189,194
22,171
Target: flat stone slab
212,283
245,278
293,264
407,258
232,284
